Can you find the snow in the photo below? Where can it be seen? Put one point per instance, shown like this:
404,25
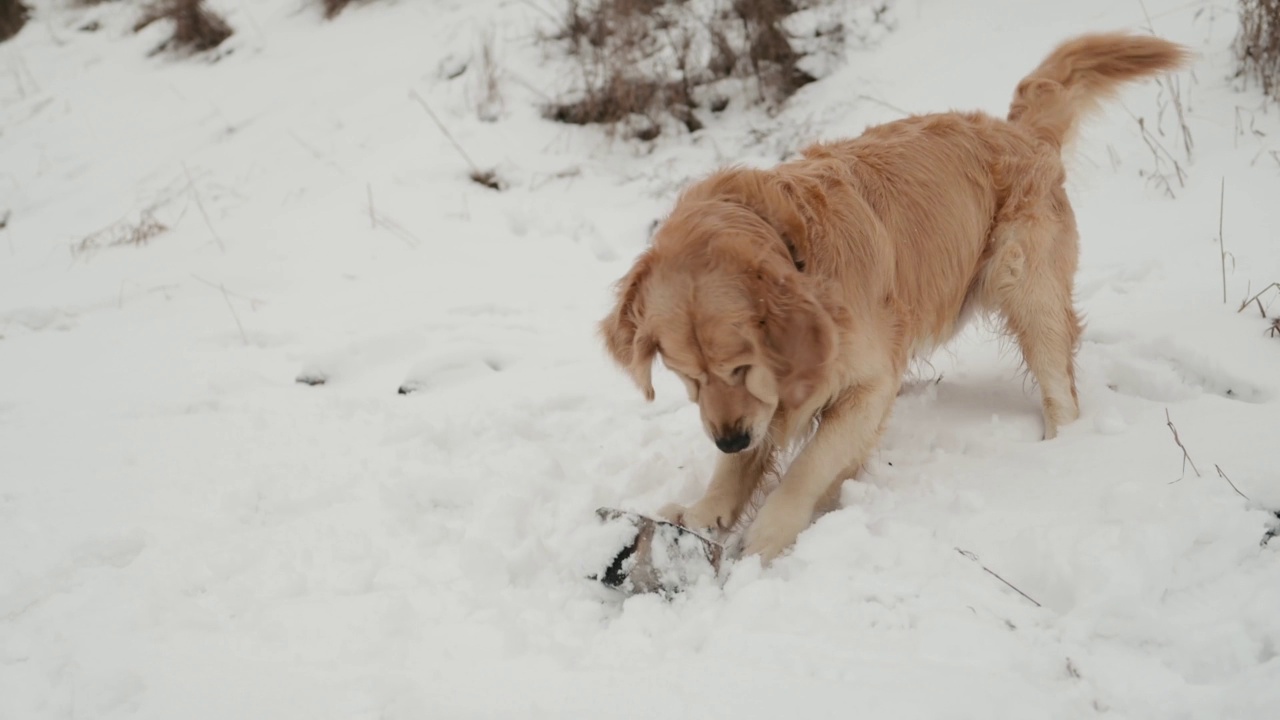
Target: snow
185,531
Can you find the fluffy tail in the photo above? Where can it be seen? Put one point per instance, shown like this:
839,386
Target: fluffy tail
1082,72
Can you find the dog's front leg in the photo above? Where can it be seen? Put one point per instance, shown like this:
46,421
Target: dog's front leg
734,480
846,435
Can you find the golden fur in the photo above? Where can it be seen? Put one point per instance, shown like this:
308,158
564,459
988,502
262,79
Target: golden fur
801,292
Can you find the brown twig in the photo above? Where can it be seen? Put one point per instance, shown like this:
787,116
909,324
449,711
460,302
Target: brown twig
996,575
1233,485
1186,456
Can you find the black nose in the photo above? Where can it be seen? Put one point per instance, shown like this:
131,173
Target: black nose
733,443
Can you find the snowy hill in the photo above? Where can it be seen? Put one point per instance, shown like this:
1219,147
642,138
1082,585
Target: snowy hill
186,531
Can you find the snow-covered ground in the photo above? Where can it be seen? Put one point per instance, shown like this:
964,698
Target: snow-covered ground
187,532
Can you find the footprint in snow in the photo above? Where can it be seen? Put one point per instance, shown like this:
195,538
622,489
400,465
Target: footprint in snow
1165,372
451,369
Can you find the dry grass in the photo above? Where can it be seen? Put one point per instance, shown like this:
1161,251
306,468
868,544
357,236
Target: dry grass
13,15
643,63
122,233
1258,44
196,28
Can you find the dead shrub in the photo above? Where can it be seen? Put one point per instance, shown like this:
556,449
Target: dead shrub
13,15
1257,45
644,63
773,59
196,28
333,8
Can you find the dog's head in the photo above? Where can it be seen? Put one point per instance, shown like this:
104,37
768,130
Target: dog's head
720,300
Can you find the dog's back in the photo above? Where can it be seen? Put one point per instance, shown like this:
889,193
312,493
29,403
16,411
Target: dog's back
933,188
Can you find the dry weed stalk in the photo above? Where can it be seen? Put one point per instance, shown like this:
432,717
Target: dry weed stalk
1223,475
1273,329
1186,456
1240,126
1171,86
1186,459
1170,93
1222,243
380,220
1159,154
226,296
1257,298
487,178
195,194
995,575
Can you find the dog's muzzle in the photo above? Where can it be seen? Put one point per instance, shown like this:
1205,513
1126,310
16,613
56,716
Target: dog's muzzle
736,442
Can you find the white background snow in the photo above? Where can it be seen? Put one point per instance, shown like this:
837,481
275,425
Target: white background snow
186,532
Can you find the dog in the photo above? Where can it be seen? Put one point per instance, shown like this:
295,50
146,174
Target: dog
795,297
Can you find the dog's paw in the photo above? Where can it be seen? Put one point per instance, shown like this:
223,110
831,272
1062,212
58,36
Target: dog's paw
776,528
673,513
713,513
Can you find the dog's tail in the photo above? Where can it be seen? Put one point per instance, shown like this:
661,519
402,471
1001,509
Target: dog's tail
1081,73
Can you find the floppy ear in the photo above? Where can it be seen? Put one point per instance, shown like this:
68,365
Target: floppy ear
630,347
799,333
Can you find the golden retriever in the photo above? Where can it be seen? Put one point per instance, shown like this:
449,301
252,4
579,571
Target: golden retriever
800,293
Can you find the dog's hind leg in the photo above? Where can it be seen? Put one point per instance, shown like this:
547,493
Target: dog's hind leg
1029,281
